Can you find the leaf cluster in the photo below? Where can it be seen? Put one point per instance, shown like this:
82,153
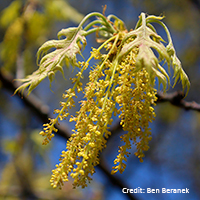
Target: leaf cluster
145,40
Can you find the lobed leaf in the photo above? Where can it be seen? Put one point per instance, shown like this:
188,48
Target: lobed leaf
65,49
145,39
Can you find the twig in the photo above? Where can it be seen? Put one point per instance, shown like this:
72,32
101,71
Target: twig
176,99
196,3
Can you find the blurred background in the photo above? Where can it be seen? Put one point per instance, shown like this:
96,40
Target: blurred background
173,160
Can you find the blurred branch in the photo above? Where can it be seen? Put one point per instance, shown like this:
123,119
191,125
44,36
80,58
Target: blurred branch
196,3
42,111
177,99
31,101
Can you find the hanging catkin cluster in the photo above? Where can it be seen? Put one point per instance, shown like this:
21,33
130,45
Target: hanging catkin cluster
122,84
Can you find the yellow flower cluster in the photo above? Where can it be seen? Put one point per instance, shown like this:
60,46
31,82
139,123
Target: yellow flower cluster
135,95
91,129
48,131
110,83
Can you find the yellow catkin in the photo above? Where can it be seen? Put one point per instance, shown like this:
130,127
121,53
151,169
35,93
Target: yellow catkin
110,83
135,96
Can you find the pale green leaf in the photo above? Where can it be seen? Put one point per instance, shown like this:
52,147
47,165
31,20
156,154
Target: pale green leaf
176,64
178,70
145,39
50,63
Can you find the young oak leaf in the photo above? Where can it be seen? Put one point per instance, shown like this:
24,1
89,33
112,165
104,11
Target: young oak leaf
65,49
178,70
145,39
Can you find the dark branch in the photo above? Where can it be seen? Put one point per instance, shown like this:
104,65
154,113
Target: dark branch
31,101
42,111
196,3
177,99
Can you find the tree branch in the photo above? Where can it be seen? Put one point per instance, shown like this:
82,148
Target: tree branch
176,99
42,111
196,3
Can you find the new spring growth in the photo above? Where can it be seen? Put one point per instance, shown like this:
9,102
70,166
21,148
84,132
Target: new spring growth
122,83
